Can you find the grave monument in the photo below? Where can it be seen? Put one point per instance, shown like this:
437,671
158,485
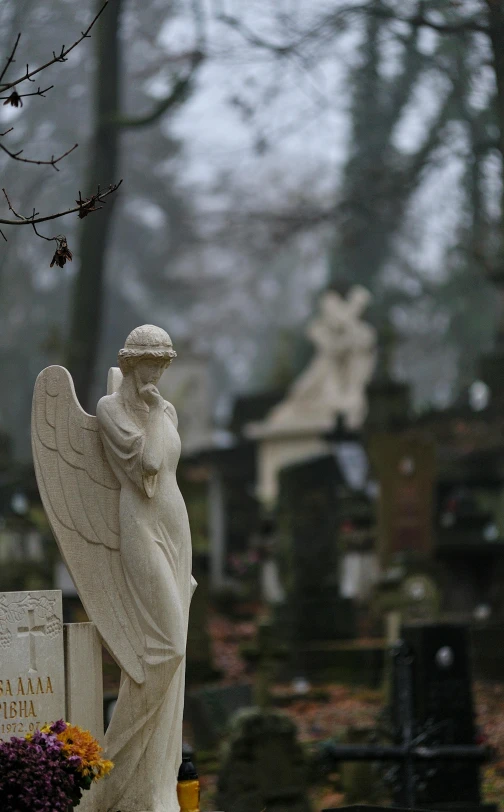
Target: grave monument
263,766
308,558
48,670
333,384
406,468
32,678
108,485
428,742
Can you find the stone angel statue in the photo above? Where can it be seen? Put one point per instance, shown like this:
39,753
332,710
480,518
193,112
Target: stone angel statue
108,485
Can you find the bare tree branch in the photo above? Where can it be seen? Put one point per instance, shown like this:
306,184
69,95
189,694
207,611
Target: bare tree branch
182,84
15,96
61,57
49,239
420,20
10,58
86,205
417,20
198,14
19,217
414,62
254,39
52,162
178,94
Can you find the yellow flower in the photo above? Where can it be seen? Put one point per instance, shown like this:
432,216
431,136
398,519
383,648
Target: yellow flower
79,742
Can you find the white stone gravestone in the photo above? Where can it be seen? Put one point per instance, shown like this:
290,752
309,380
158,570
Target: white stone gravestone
32,671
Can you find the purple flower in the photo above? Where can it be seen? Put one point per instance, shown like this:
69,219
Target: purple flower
59,726
36,776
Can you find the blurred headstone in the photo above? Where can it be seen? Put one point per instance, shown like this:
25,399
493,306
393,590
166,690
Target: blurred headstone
265,654
208,711
359,778
233,506
358,561
308,528
264,766
430,755
443,709
233,509
265,545
406,597
405,467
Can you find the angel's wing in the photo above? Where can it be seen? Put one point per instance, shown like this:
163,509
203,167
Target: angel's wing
80,495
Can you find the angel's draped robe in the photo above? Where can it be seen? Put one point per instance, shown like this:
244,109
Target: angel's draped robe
146,727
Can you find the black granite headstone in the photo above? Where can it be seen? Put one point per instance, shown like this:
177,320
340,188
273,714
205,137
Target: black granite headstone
443,710
308,523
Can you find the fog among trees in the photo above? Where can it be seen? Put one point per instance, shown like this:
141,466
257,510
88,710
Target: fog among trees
312,143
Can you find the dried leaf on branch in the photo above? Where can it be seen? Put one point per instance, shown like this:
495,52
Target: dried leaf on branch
15,99
62,253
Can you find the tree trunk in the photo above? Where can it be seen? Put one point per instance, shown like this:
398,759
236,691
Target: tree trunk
496,31
378,182
88,289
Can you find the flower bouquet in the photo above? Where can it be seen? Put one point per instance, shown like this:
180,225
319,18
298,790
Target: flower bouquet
47,771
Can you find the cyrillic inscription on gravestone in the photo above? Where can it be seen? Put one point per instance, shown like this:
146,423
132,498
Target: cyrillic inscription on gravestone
32,674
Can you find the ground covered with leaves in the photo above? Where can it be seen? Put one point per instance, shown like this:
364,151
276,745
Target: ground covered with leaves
330,711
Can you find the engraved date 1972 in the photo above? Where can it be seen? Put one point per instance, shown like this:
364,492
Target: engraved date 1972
17,727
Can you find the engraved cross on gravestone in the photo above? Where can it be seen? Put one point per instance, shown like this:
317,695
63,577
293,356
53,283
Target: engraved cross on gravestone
32,630
32,675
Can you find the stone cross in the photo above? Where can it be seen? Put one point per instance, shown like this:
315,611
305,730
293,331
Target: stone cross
32,631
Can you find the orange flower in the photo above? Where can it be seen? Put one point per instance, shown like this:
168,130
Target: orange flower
79,742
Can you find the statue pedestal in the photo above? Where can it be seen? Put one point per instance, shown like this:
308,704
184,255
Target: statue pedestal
280,446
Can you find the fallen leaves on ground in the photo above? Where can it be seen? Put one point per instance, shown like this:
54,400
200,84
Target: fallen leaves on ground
344,706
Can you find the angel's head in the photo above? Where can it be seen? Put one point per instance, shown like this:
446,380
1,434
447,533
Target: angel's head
147,352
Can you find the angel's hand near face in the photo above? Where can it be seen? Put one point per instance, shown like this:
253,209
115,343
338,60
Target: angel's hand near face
151,396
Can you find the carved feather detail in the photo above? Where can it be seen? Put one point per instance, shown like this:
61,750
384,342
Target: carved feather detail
80,494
